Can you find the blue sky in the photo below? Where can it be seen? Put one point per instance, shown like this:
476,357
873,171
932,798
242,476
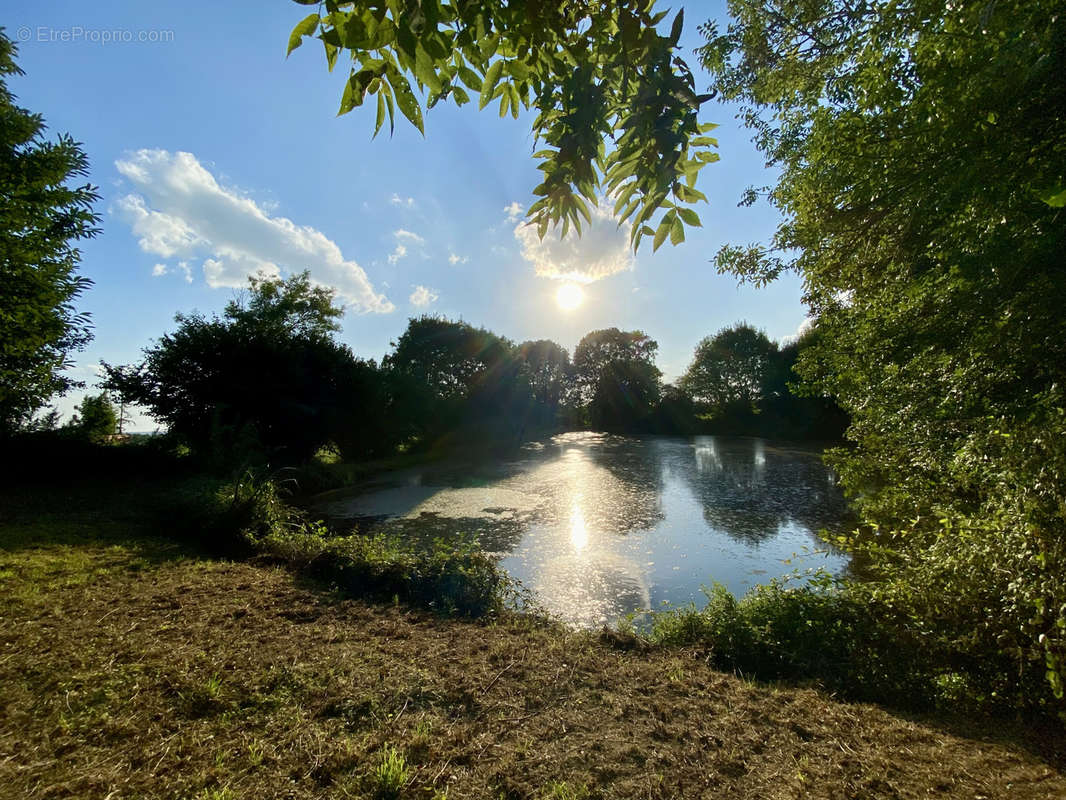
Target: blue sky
216,156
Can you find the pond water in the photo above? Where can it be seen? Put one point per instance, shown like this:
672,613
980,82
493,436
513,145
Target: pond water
598,526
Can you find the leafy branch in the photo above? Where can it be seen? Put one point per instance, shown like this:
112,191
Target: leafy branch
616,108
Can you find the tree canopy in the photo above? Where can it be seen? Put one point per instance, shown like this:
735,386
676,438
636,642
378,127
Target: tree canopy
922,148
616,107
616,379
41,218
266,378
96,418
730,367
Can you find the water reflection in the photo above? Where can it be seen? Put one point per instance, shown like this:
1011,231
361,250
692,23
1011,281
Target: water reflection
600,525
749,489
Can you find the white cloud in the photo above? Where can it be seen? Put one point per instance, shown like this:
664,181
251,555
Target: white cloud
804,326
601,251
409,236
405,202
423,296
159,269
397,254
514,211
178,208
454,259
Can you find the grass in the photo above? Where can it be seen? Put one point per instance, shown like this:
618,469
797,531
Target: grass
132,666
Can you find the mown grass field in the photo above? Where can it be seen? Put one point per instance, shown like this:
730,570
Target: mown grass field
135,666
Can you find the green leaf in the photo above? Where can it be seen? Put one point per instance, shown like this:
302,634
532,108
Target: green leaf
381,114
331,55
518,70
305,27
516,102
352,96
1055,197
425,71
690,217
665,226
677,231
460,95
405,98
470,78
675,29
690,195
387,91
492,77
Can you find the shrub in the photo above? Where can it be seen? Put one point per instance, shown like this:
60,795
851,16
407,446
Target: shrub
453,577
812,633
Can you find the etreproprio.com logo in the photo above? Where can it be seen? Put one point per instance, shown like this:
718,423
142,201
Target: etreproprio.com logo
77,34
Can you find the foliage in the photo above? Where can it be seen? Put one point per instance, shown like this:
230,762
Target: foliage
547,367
452,577
41,217
252,516
451,359
96,418
289,309
466,381
814,632
616,380
730,367
591,70
742,383
921,149
265,380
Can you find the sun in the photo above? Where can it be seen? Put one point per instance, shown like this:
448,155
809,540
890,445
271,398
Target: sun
569,296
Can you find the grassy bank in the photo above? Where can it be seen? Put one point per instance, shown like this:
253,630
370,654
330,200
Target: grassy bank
134,666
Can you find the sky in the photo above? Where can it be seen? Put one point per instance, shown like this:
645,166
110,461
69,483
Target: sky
216,157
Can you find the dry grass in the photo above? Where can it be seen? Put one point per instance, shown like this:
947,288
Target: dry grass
131,668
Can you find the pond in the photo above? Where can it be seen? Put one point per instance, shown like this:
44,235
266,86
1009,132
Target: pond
598,526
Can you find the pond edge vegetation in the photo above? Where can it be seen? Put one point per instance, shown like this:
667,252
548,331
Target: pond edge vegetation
850,638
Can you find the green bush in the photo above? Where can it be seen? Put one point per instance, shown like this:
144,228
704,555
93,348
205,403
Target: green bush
813,633
453,577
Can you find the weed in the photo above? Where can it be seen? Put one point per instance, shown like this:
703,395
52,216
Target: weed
255,753
422,729
391,774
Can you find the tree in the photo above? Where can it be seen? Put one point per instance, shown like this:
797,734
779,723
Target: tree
921,148
616,378
96,418
41,217
547,365
267,376
592,70
731,368
459,375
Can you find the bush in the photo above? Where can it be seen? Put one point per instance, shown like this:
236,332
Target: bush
249,516
813,633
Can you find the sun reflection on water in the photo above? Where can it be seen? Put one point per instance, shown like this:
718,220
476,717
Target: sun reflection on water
579,535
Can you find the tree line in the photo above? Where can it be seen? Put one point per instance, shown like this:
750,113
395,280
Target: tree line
268,378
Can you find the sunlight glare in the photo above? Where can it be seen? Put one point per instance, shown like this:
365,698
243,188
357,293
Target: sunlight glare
569,296
579,535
